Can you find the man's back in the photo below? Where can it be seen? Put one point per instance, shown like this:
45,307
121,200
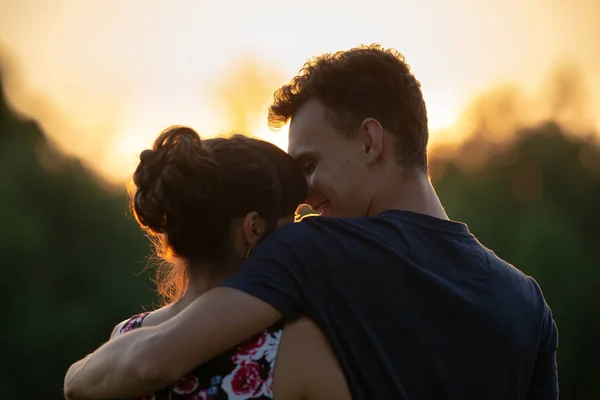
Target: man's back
414,307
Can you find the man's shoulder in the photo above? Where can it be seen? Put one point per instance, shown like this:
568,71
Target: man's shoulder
318,228
515,276
308,231
310,234
526,290
306,228
320,223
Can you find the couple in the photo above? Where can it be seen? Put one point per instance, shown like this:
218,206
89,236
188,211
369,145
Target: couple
381,297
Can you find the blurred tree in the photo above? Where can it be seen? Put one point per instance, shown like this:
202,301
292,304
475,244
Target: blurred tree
70,259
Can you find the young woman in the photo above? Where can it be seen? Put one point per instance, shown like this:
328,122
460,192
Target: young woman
206,204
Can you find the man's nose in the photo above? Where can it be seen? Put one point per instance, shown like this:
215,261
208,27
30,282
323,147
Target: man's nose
309,180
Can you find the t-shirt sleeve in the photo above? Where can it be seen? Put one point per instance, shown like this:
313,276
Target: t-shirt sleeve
276,271
544,382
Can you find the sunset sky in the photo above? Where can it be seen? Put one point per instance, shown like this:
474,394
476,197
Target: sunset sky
104,77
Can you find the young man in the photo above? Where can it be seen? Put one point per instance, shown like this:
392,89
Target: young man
413,305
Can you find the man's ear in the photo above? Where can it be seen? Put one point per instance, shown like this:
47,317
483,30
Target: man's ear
371,132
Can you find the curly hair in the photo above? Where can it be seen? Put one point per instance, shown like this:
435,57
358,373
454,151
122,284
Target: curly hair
188,192
366,81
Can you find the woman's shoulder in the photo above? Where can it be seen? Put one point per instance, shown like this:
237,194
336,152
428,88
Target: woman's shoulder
149,318
129,324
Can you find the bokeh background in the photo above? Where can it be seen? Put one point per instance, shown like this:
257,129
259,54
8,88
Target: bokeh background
513,93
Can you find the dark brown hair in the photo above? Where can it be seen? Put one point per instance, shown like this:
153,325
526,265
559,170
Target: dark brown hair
367,81
189,191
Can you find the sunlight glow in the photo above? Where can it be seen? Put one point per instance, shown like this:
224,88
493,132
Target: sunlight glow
441,112
279,138
104,78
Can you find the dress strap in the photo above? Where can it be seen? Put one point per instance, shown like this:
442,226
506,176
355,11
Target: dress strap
133,322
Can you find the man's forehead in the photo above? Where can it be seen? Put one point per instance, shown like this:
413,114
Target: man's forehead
300,138
306,129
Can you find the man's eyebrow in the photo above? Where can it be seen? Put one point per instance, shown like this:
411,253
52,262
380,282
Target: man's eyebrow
305,156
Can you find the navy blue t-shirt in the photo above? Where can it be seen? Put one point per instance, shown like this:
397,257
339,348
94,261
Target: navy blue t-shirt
414,307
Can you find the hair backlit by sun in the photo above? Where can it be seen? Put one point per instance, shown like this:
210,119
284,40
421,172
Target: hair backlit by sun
278,138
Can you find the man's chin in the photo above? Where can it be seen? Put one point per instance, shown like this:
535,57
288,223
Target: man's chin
322,209
327,212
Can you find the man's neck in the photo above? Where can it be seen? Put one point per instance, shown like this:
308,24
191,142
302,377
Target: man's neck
411,192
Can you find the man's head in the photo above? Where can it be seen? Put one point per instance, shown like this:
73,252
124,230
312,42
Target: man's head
358,118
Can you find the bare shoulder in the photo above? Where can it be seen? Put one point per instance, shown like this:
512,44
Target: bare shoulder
149,318
306,366
117,329
306,333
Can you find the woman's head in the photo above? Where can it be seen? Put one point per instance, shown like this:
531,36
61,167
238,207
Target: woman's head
207,202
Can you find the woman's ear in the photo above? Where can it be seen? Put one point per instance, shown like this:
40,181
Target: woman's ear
253,228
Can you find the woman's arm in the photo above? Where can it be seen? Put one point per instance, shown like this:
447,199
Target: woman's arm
147,359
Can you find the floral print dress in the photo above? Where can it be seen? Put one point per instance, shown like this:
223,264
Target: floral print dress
244,372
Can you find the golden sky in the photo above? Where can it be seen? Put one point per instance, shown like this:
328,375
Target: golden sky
104,77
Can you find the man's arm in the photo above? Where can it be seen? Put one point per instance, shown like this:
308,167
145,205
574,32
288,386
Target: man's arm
147,359
117,329
544,381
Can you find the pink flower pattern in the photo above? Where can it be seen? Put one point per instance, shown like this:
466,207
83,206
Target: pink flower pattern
244,372
135,322
255,365
186,385
249,349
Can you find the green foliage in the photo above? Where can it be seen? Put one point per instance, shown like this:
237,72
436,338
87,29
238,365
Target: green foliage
72,257
71,261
